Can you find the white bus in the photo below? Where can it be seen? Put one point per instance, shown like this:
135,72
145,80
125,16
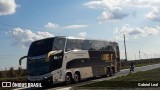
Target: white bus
67,59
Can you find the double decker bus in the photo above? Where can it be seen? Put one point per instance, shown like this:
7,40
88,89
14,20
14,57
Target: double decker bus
67,59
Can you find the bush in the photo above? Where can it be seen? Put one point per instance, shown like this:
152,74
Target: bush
3,74
11,72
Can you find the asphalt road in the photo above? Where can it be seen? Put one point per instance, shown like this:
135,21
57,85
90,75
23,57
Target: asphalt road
97,79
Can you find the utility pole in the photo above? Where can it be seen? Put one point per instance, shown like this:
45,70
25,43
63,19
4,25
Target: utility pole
139,54
145,56
125,46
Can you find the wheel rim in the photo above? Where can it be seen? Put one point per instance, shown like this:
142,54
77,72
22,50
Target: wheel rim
76,78
68,79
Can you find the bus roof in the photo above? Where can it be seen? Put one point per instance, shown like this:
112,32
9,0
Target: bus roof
69,37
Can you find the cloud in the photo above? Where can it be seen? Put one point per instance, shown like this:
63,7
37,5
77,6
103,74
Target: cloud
114,4
135,32
154,14
7,7
50,25
75,26
151,30
23,38
93,4
112,15
142,3
112,9
109,4
82,34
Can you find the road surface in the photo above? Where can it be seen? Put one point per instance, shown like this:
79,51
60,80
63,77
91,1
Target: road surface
121,73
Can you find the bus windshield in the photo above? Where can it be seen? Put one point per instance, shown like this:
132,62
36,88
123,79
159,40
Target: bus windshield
37,67
41,47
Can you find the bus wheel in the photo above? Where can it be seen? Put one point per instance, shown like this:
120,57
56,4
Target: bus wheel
76,77
113,70
68,79
109,72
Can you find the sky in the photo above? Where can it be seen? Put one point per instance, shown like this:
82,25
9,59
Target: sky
24,21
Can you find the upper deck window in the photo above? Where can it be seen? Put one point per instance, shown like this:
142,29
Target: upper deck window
73,44
40,47
44,46
59,44
87,45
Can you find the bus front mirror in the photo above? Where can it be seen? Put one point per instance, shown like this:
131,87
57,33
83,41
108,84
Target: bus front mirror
49,54
52,53
20,60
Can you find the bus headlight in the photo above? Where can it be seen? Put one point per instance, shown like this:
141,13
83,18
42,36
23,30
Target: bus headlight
55,57
45,77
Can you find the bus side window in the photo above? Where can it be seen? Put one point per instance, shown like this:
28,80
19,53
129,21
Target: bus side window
70,45
74,44
58,44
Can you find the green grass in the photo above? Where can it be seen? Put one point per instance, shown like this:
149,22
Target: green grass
130,80
151,75
22,78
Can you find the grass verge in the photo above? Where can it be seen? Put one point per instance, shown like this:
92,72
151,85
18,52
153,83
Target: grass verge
22,78
128,81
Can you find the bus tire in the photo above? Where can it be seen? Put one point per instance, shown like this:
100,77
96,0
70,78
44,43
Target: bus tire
109,72
77,77
113,70
68,78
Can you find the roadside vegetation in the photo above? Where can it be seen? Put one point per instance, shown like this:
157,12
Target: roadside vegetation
13,75
128,81
139,63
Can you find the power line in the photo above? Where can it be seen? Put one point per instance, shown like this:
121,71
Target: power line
2,29
129,42
15,26
8,25
8,55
